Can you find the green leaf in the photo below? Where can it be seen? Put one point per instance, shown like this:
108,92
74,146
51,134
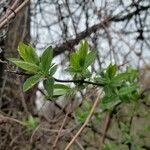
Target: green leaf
90,58
109,89
49,86
80,60
59,92
109,98
132,74
72,70
74,61
109,105
29,67
111,70
60,89
83,49
52,70
87,74
81,115
128,89
31,81
31,122
101,80
61,86
46,59
110,146
27,53
120,77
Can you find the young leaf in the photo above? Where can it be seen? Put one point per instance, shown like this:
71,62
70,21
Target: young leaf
89,59
74,61
111,70
60,89
83,49
110,146
29,67
109,98
128,89
87,74
49,86
28,54
132,74
52,70
101,80
61,86
46,59
31,123
71,70
121,77
31,81
109,90
59,92
81,115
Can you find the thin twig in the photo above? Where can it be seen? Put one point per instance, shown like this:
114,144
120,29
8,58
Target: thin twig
5,119
33,133
12,14
78,81
78,143
58,80
61,128
85,123
9,10
106,126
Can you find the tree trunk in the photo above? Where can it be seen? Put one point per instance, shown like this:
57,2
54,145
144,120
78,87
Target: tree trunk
13,102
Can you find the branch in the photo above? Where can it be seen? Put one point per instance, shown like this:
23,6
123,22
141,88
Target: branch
61,128
57,105
58,80
106,126
129,15
4,119
68,45
85,123
78,81
10,10
14,12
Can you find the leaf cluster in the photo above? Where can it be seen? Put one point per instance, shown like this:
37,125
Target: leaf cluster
80,60
117,86
39,69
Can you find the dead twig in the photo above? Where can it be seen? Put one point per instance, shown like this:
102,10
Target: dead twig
7,119
85,123
106,126
10,16
61,128
9,11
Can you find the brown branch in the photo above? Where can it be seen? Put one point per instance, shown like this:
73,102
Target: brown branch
58,80
61,128
68,45
130,15
4,119
10,16
106,126
85,123
9,11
